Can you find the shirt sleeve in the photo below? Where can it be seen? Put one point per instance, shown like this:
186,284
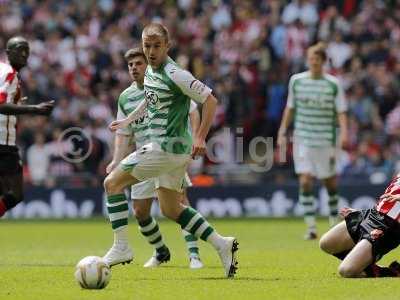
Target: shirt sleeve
189,85
8,87
340,100
122,115
290,98
193,106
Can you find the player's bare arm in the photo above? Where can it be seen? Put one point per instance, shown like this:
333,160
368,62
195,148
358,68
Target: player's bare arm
344,137
286,121
44,108
194,117
123,145
134,115
390,198
208,112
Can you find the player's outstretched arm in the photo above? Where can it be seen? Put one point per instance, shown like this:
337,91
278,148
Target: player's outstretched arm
390,198
134,115
208,112
44,108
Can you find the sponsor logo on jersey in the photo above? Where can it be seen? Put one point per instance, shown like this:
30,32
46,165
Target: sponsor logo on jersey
197,86
151,97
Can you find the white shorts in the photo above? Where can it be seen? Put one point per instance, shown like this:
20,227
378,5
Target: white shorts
147,189
320,162
150,162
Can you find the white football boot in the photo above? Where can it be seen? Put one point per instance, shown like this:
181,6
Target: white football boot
195,263
118,255
227,254
157,259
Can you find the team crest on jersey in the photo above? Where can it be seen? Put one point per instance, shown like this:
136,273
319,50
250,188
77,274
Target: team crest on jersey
151,97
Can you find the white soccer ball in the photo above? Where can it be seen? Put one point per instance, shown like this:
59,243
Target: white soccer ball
92,273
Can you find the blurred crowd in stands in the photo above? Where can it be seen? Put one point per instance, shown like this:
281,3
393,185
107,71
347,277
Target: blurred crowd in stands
246,50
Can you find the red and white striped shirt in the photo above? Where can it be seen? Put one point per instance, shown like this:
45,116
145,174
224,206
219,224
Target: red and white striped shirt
9,93
391,209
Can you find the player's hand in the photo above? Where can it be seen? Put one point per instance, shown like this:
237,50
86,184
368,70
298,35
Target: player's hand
198,148
390,197
344,141
282,139
376,234
345,211
44,108
111,166
119,124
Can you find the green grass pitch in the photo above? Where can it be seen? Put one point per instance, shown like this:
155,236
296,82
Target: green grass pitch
37,260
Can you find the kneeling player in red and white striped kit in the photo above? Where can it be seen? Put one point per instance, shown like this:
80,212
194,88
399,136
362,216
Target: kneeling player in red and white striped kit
11,191
366,235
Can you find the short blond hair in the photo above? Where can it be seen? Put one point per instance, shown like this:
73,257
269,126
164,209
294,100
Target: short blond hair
318,49
156,29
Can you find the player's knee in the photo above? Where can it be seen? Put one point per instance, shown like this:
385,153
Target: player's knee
110,185
170,213
141,214
324,244
327,244
347,271
306,185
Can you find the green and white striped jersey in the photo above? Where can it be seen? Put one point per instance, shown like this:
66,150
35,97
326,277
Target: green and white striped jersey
316,103
168,90
127,102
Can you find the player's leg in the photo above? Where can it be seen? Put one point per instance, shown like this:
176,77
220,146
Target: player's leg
331,186
11,179
303,164
307,200
358,259
118,211
191,241
337,241
193,222
325,166
148,227
11,191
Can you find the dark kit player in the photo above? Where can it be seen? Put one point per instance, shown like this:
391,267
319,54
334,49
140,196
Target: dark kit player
11,183
367,235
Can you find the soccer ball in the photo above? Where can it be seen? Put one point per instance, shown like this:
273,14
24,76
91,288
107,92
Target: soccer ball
92,273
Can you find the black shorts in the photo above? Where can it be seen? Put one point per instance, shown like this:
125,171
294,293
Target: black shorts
10,162
361,223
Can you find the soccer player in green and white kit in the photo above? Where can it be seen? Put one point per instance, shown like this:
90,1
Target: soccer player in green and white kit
143,193
315,101
168,90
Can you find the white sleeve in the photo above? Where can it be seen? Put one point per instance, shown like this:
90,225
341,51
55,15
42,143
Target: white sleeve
8,87
122,115
290,99
189,85
340,100
193,106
